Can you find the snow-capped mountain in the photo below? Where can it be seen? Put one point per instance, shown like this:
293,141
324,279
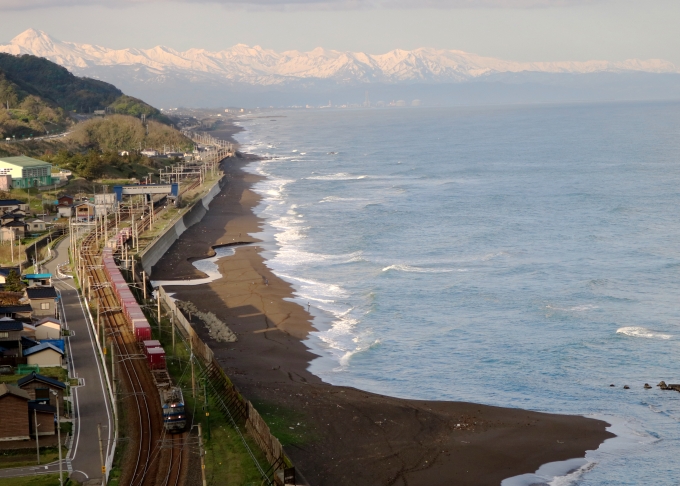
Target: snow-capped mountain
242,64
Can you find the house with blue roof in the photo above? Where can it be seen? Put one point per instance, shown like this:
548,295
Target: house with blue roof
44,355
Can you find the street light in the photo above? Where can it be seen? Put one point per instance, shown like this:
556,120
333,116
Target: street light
61,482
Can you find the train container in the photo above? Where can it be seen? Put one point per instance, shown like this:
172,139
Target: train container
151,343
142,330
172,402
156,358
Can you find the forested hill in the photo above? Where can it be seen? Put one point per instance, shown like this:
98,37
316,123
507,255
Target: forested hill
39,77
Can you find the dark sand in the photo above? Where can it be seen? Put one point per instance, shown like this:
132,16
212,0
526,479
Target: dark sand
347,436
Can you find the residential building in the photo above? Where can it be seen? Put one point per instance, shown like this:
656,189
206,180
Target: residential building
20,312
9,205
65,210
26,171
38,279
84,211
44,355
40,388
48,328
66,200
35,225
43,301
14,413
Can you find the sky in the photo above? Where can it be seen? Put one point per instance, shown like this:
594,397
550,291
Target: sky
520,30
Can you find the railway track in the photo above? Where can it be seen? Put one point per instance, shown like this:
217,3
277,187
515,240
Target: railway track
150,463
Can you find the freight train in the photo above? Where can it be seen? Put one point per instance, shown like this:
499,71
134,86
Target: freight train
172,400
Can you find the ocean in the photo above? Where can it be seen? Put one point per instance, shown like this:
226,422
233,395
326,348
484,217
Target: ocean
521,256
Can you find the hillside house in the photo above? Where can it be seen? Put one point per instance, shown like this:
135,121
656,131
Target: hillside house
40,388
65,210
35,225
11,205
43,301
84,211
48,328
66,200
44,355
14,413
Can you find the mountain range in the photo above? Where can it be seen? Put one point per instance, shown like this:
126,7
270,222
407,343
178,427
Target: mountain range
242,72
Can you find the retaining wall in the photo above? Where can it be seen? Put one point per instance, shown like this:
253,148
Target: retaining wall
156,249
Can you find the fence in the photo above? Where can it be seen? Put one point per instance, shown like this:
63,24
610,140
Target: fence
228,396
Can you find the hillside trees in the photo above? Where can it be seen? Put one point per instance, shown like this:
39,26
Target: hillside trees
120,132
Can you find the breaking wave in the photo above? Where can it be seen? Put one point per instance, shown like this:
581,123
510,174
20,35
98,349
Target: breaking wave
643,332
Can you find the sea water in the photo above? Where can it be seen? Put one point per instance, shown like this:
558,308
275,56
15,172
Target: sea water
523,256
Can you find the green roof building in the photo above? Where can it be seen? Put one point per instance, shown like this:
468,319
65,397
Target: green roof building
26,171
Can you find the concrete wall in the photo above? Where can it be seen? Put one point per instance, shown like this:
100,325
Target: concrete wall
155,251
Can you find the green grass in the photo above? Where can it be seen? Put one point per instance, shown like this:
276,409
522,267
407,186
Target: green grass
226,459
42,480
9,458
55,372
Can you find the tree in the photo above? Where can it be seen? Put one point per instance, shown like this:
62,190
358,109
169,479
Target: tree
13,282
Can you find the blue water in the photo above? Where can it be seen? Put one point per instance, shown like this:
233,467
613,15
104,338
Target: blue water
517,256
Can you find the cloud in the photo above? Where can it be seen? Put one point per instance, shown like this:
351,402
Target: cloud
304,4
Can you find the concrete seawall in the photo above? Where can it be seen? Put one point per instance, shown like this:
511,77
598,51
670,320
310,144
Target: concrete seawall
155,251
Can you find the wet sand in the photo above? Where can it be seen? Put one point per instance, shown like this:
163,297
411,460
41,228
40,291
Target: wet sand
340,435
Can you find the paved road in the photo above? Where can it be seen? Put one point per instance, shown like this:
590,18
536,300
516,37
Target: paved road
91,403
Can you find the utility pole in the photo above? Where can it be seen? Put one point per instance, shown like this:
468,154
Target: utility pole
202,453
101,454
144,285
193,377
158,302
37,445
61,481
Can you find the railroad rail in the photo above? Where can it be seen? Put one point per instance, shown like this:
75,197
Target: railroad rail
149,463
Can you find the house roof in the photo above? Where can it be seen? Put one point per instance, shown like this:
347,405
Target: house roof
41,293
37,276
14,223
23,161
43,379
42,347
13,309
41,407
13,390
27,343
53,320
10,202
34,220
11,326
4,271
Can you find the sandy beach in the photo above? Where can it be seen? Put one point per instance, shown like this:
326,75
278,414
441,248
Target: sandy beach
342,435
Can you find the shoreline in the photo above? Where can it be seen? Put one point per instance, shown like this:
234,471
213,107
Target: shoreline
340,435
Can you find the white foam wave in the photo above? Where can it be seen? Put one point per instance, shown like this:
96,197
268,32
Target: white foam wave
643,332
340,176
412,269
576,308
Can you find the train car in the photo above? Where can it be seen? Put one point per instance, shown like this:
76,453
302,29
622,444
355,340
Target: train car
172,402
155,357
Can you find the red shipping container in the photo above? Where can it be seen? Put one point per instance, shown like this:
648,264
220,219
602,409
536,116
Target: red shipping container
142,331
156,358
152,343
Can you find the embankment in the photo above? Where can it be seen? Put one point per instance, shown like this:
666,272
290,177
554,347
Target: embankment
155,250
